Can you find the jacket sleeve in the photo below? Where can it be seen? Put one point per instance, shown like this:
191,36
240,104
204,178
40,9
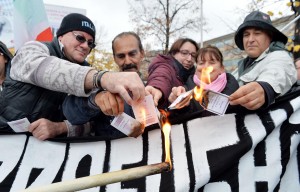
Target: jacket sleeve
160,77
33,64
78,111
277,69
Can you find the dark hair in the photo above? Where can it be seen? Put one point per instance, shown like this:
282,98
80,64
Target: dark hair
211,51
127,33
175,48
6,53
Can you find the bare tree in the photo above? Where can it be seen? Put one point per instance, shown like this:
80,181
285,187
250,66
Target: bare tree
164,19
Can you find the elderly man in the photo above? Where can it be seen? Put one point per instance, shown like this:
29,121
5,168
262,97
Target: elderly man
268,71
42,75
100,107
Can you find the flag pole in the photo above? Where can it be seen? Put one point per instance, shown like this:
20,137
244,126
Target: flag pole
291,22
201,24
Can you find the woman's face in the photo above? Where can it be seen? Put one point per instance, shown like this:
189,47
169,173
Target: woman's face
186,55
206,61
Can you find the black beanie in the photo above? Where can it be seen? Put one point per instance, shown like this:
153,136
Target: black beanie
76,21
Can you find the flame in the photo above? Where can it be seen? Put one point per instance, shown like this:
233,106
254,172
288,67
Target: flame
166,129
198,93
205,78
205,74
144,115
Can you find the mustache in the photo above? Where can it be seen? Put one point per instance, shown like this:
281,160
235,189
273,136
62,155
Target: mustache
129,66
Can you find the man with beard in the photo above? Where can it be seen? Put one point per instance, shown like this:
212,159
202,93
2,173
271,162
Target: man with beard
100,107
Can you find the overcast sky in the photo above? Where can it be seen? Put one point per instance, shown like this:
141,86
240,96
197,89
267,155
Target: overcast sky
222,17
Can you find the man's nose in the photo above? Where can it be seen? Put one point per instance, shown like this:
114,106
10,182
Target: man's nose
127,59
251,37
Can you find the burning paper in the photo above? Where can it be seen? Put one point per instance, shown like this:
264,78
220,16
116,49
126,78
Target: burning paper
145,111
182,100
212,101
215,102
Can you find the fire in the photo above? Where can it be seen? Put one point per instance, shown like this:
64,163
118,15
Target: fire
205,74
166,128
144,115
205,78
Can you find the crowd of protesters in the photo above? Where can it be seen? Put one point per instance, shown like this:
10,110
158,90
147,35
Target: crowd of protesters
52,85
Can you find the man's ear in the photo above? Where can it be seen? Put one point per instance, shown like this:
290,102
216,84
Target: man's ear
142,54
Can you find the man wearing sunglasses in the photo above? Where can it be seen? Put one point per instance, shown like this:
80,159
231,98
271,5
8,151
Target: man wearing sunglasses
42,74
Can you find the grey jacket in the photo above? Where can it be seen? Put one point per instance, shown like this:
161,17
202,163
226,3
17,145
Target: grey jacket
33,64
274,66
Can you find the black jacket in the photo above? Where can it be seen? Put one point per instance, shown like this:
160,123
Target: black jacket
19,100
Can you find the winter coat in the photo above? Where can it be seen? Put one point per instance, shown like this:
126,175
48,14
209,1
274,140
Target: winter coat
165,72
36,97
274,66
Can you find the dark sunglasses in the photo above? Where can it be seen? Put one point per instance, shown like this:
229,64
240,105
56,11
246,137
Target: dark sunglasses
82,39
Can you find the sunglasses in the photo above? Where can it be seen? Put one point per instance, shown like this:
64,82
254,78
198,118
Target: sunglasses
82,39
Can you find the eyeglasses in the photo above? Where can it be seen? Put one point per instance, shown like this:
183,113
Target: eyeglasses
186,53
82,39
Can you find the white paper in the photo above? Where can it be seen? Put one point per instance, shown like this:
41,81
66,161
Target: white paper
20,125
179,99
217,102
145,111
124,123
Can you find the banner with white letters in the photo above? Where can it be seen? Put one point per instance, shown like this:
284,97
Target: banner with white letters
256,152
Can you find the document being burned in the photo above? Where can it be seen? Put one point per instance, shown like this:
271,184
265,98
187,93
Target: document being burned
145,114
215,102
211,101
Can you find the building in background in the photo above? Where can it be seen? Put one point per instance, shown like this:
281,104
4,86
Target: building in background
55,14
6,23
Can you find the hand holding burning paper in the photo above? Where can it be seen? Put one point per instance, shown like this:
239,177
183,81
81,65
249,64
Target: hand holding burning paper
145,115
206,93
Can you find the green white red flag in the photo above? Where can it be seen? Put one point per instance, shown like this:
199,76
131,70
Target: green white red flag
30,22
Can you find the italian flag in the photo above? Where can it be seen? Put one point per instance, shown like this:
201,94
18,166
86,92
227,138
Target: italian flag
30,22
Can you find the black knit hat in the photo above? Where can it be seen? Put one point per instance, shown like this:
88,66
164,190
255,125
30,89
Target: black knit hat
260,20
76,21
